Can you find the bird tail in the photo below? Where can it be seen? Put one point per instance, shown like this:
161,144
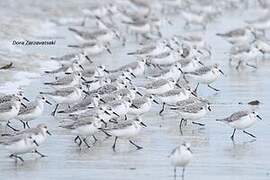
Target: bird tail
221,35
131,53
222,120
74,46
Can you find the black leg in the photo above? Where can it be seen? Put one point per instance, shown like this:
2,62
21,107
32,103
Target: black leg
161,111
183,173
138,147
27,124
8,125
125,117
197,123
195,90
16,157
85,142
249,134
24,125
213,88
54,111
174,170
107,134
95,139
80,141
180,126
41,155
114,144
232,136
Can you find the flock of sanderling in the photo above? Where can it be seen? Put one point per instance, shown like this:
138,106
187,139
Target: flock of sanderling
94,99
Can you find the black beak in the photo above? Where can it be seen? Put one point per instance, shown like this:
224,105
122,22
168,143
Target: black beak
108,50
143,124
105,70
259,117
104,122
133,75
106,112
200,62
67,73
180,70
89,59
189,150
178,85
221,72
155,101
209,108
24,105
82,78
24,98
35,143
167,45
194,94
128,79
199,51
116,114
48,133
81,67
132,105
48,102
102,100
139,93
84,91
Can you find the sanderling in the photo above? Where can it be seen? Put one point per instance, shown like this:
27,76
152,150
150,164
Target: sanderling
160,86
32,111
92,48
241,120
136,67
20,144
205,75
244,35
192,112
173,96
84,129
65,96
66,81
173,72
75,66
166,57
10,110
126,130
39,134
91,74
121,107
88,101
180,157
141,105
9,97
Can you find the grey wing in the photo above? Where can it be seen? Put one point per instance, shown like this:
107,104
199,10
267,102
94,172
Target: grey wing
139,102
27,109
200,71
62,81
236,32
237,115
5,107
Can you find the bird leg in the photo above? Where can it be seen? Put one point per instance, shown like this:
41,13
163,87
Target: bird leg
114,144
85,142
95,139
41,155
56,107
197,123
27,124
138,147
8,125
16,157
249,134
211,87
163,107
232,136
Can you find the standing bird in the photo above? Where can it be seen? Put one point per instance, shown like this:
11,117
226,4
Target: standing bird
241,120
180,157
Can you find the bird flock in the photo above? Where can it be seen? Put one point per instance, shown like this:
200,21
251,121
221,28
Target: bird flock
93,100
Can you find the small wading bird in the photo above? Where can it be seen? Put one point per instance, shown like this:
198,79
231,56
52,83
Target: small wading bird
180,157
241,120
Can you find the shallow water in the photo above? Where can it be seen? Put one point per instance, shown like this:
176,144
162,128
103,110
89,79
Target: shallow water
215,155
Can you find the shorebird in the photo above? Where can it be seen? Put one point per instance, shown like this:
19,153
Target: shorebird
126,130
32,111
18,145
181,157
205,75
241,120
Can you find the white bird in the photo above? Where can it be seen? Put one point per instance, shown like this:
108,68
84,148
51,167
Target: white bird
126,130
241,120
181,157
18,145
32,110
